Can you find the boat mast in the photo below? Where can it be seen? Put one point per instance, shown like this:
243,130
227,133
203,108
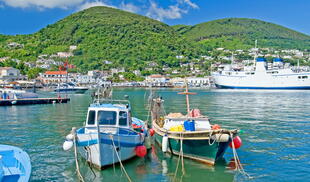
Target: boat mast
187,97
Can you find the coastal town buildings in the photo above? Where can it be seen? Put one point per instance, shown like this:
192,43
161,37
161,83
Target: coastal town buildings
9,74
50,77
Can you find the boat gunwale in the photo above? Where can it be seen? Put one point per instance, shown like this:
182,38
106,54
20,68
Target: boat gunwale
191,135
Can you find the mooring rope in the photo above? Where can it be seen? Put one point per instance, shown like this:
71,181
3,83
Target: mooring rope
181,157
239,166
120,161
76,157
210,135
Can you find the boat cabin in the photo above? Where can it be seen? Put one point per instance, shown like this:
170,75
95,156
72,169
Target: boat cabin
108,116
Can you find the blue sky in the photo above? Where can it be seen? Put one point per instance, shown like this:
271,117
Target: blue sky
29,16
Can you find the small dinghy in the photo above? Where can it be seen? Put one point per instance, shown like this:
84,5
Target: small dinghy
15,164
109,136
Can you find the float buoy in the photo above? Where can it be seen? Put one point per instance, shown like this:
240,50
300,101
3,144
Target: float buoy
140,151
164,143
237,142
216,127
68,144
152,131
70,136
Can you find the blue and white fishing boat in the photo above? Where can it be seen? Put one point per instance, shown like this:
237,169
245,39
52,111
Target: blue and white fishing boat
15,164
108,136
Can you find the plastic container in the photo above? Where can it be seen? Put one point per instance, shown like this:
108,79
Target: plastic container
178,128
189,125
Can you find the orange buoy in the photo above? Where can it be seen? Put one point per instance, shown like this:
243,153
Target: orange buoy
237,142
216,127
140,151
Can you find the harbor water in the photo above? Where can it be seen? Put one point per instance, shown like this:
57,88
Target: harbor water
275,125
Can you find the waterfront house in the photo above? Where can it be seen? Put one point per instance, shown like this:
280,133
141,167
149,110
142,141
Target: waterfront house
198,81
156,80
9,74
54,77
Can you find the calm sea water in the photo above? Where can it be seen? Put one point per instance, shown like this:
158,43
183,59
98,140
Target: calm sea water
276,138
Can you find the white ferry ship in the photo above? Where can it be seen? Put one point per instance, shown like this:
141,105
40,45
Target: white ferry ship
274,75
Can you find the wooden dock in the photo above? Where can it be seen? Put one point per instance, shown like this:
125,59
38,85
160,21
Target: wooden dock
10,102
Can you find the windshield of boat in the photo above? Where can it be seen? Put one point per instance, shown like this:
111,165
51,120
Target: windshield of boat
123,118
91,117
107,117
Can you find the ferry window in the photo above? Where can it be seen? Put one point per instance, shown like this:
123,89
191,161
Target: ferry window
91,117
107,117
304,77
123,118
299,77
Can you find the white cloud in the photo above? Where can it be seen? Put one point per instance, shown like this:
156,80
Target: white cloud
191,4
93,4
172,12
42,3
129,7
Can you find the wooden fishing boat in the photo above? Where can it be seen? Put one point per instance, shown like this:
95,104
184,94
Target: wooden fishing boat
190,135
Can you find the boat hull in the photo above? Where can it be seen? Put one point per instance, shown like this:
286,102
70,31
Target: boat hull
102,154
15,164
263,81
199,150
71,90
267,88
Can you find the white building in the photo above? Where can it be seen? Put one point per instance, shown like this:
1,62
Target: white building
64,54
55,77
117,70
198,81
73,47
156,80
9,74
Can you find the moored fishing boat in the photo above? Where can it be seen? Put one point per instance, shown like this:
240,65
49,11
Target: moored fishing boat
108,136
191,135
14,164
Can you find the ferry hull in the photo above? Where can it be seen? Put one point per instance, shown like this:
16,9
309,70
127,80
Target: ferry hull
199,150
267,88
296,81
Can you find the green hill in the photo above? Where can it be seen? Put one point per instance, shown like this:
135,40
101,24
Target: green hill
103,33
133,41
235,33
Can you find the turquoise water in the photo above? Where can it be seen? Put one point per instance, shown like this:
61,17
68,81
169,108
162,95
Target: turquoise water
276,140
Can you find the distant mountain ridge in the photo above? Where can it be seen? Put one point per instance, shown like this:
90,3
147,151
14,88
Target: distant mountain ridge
133,41
244,32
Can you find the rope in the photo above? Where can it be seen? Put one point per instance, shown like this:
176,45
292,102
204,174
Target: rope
210,135
239,166
76,159
181,157
90,163
120,162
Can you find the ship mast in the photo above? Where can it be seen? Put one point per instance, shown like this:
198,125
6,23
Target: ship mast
187,97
